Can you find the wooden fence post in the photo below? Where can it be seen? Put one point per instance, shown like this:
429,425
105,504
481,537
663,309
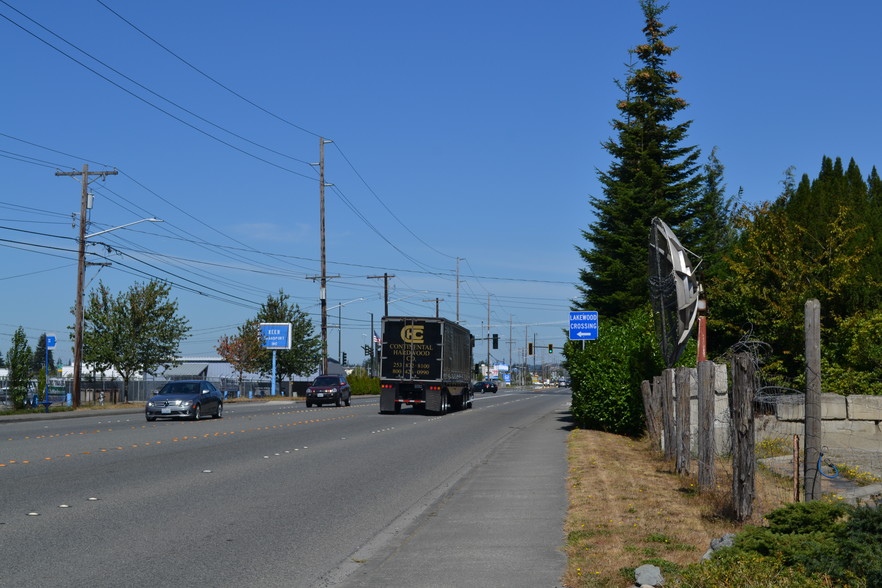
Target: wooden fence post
667,403
743,454
707,449
812,478
684,431
650,410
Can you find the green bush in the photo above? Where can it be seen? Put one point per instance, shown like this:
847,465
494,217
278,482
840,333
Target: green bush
606,375
816,543
736,570
361,383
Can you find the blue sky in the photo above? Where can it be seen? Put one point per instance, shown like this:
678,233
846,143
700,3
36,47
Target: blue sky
465,135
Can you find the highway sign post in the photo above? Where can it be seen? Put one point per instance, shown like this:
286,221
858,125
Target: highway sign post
275,336
583,325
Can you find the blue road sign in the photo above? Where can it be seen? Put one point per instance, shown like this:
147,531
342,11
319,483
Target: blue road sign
583,325
275,335
50,341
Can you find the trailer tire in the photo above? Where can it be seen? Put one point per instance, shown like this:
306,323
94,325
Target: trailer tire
397,408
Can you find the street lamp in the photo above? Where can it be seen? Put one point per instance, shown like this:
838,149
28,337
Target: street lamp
78,312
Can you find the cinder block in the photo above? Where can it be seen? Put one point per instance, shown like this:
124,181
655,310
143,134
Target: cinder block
864,408
833,407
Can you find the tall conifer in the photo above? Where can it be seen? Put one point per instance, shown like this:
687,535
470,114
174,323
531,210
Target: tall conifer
652,174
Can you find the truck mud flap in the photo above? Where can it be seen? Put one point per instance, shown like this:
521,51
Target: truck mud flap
387,401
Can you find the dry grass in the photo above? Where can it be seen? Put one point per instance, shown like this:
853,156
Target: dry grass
628,507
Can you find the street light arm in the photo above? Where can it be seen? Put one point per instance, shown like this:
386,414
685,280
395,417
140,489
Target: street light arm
151,220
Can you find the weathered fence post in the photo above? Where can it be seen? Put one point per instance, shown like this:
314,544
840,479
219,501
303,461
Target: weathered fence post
651,412
667,404
706,442
684,443
812,399
743,463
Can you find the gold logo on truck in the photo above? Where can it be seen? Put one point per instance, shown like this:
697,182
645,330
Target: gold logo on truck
412,334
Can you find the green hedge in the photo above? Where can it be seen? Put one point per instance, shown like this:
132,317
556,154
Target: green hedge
362,383
607,374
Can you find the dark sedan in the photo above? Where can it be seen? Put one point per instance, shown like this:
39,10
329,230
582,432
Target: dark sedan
486,386
190,399
328,389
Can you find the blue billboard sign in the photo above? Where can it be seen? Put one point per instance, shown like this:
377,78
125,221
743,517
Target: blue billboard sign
275,335
583,325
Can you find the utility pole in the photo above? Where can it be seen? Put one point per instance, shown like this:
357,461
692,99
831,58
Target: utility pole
385,278
510,357
323,295
488,335
436,300
457,290
81,275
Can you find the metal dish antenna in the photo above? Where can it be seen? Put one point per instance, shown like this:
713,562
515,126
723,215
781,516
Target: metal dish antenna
674,290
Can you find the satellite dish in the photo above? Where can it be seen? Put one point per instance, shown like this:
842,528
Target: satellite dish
674,291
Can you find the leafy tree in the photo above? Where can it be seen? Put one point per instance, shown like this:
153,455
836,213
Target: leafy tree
19,357
136,331
774,269
243,351
305,354
38,361
652,175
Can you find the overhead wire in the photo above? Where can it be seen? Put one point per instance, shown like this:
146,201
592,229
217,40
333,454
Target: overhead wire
296,126
141,98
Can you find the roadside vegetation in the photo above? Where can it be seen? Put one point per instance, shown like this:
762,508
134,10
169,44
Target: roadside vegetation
641,512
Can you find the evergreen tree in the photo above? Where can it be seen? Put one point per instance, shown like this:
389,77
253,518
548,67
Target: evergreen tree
652,175
715,231
38,361
19,357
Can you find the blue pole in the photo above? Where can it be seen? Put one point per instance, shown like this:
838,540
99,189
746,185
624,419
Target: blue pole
46,365
273,389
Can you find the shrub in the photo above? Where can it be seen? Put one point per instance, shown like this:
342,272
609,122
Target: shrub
361,383
730,569
816,543
606,375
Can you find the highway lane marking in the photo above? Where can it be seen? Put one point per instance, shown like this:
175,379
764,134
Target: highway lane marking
182,438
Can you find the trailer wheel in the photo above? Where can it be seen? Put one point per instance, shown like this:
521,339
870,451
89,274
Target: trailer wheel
397,408
445,402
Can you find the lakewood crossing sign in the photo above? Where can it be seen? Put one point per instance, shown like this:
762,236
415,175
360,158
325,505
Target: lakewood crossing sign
583,325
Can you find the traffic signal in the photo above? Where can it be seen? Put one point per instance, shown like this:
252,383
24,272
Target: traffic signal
344,358
551,348
529,349
495,341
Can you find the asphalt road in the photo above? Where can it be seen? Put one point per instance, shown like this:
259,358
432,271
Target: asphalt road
275,494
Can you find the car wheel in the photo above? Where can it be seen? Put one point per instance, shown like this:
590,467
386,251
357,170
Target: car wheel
196,412
348,400
339,402
220,411
308,404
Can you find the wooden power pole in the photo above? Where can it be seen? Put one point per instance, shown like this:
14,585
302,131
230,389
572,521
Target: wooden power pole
81,275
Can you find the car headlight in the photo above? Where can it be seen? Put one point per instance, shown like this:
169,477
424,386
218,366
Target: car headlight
150,403
186,402
333,390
